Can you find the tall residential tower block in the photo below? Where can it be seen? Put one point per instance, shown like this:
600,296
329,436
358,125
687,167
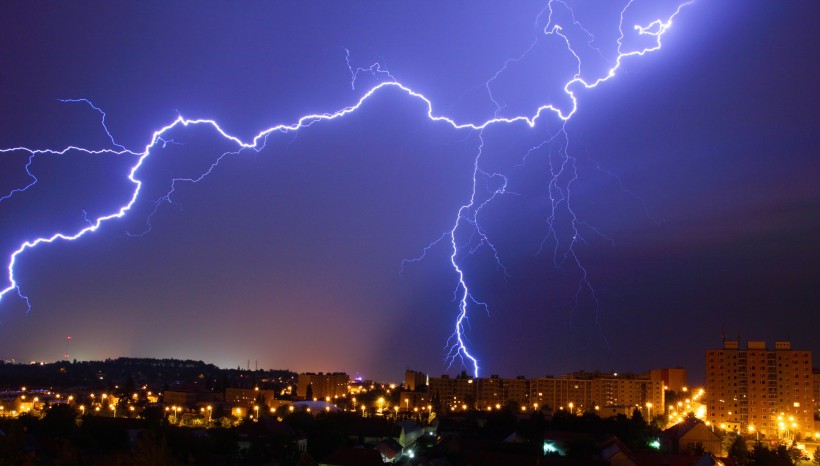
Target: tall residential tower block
760,389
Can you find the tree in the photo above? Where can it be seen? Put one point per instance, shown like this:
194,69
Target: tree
152,449
637,418
739,451
795,453
128,387
697,449
763,456
512,406
309,392
816,456
728,439
260,401
435,402
153,416
59,421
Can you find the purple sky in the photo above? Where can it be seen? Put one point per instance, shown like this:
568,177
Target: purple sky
692,179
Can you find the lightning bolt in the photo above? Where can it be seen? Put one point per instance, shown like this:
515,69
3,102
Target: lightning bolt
466,236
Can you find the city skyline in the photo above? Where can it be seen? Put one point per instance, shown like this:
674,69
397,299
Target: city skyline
693,184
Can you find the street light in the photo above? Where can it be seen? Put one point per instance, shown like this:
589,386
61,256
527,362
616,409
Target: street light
649,410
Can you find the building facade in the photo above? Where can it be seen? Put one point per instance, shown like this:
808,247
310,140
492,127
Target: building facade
756,388
415,381
578,392
674,379
323,385
559,393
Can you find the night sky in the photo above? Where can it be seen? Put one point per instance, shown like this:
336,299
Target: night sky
692,176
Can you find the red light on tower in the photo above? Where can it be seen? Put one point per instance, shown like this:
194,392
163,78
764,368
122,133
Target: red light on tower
67,341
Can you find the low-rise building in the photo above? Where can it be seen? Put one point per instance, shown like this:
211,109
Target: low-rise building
690,437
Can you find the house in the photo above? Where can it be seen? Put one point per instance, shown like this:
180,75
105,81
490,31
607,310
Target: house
390,450
408,433
691,436
369,431
616,453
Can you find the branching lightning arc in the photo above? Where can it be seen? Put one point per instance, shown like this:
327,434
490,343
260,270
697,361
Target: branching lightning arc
467,218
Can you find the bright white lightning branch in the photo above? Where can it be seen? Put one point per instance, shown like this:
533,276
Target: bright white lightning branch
467,213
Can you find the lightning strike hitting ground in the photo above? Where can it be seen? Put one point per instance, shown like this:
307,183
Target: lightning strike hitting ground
562,176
